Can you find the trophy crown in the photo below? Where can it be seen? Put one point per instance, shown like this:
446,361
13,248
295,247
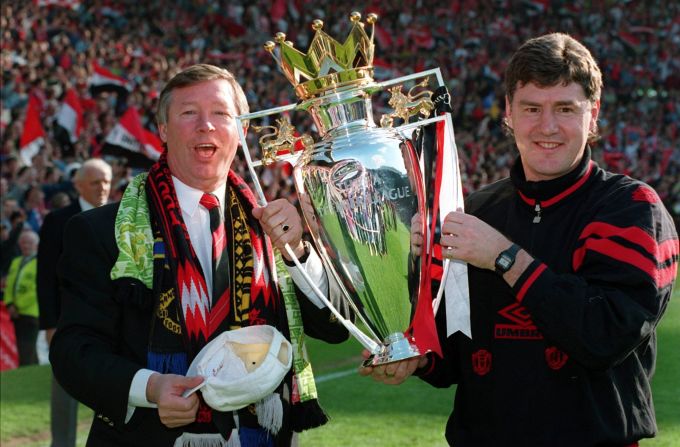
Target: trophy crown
328,64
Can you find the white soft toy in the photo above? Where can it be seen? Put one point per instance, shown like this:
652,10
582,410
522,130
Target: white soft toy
243,367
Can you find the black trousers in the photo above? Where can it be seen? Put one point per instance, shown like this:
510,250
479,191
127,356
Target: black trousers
26,329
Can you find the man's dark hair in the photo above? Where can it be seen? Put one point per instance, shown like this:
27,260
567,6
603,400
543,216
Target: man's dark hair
552,59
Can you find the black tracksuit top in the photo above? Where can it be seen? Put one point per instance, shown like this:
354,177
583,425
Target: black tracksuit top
565,357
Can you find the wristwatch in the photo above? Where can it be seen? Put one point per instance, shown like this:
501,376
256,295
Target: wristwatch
506,259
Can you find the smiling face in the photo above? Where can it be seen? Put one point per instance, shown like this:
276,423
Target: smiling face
200,133
551,127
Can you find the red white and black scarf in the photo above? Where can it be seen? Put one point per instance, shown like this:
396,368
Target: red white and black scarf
184,319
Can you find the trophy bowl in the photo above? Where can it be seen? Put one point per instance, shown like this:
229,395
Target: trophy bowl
360,186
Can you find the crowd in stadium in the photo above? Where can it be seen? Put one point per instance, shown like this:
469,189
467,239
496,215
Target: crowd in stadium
51,47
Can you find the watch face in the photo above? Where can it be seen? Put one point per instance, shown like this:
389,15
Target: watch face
506,259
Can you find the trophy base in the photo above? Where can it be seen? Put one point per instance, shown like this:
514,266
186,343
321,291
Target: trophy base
396,348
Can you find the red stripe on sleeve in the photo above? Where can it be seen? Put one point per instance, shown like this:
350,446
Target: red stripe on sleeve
532,278
645,194
661,276
661,252
668,251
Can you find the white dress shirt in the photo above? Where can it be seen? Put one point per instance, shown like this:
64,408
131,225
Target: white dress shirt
84,204
197,220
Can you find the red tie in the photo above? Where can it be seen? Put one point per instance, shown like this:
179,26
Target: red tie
220,263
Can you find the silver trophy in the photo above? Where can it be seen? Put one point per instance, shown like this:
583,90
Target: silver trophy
360,185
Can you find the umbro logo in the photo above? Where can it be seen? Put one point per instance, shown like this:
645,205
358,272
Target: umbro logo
519,325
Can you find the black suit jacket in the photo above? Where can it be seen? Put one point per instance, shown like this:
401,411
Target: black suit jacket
102,336
49,250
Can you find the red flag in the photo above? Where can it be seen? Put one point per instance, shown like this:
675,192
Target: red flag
70,115
153,145
104,79
33,136
129,139
9,356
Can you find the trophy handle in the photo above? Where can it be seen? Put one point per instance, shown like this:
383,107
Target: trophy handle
367,343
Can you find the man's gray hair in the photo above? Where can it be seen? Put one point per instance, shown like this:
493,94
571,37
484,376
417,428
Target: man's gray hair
92,164
194,75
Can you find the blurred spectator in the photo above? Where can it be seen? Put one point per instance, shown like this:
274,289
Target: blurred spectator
49,50
60,200
93,182
21,297
26,176
34,207
12,227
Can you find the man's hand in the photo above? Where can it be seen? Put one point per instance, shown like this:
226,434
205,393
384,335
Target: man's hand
392,373
282,223
416,235
165,390
472,240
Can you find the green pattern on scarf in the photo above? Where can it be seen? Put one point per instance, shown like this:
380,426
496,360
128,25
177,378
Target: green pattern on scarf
133,235
302,369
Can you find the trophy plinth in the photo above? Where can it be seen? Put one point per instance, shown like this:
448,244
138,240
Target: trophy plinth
394,348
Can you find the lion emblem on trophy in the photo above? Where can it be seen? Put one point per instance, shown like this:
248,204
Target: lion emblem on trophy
407,105
281,139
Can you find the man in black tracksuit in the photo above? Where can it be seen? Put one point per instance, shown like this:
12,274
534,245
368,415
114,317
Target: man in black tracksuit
570,270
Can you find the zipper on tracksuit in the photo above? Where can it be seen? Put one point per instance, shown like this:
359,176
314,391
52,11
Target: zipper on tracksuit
537,209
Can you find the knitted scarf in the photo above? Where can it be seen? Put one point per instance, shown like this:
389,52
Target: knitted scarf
154,247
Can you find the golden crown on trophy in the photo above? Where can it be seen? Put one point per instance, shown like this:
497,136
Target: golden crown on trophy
329,64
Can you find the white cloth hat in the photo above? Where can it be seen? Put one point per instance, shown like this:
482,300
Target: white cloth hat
242,366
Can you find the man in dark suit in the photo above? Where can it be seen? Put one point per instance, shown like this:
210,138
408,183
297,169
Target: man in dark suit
93,183
145,289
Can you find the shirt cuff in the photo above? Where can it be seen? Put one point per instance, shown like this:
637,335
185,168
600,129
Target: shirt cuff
137,394
528,278
429,366
314,268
